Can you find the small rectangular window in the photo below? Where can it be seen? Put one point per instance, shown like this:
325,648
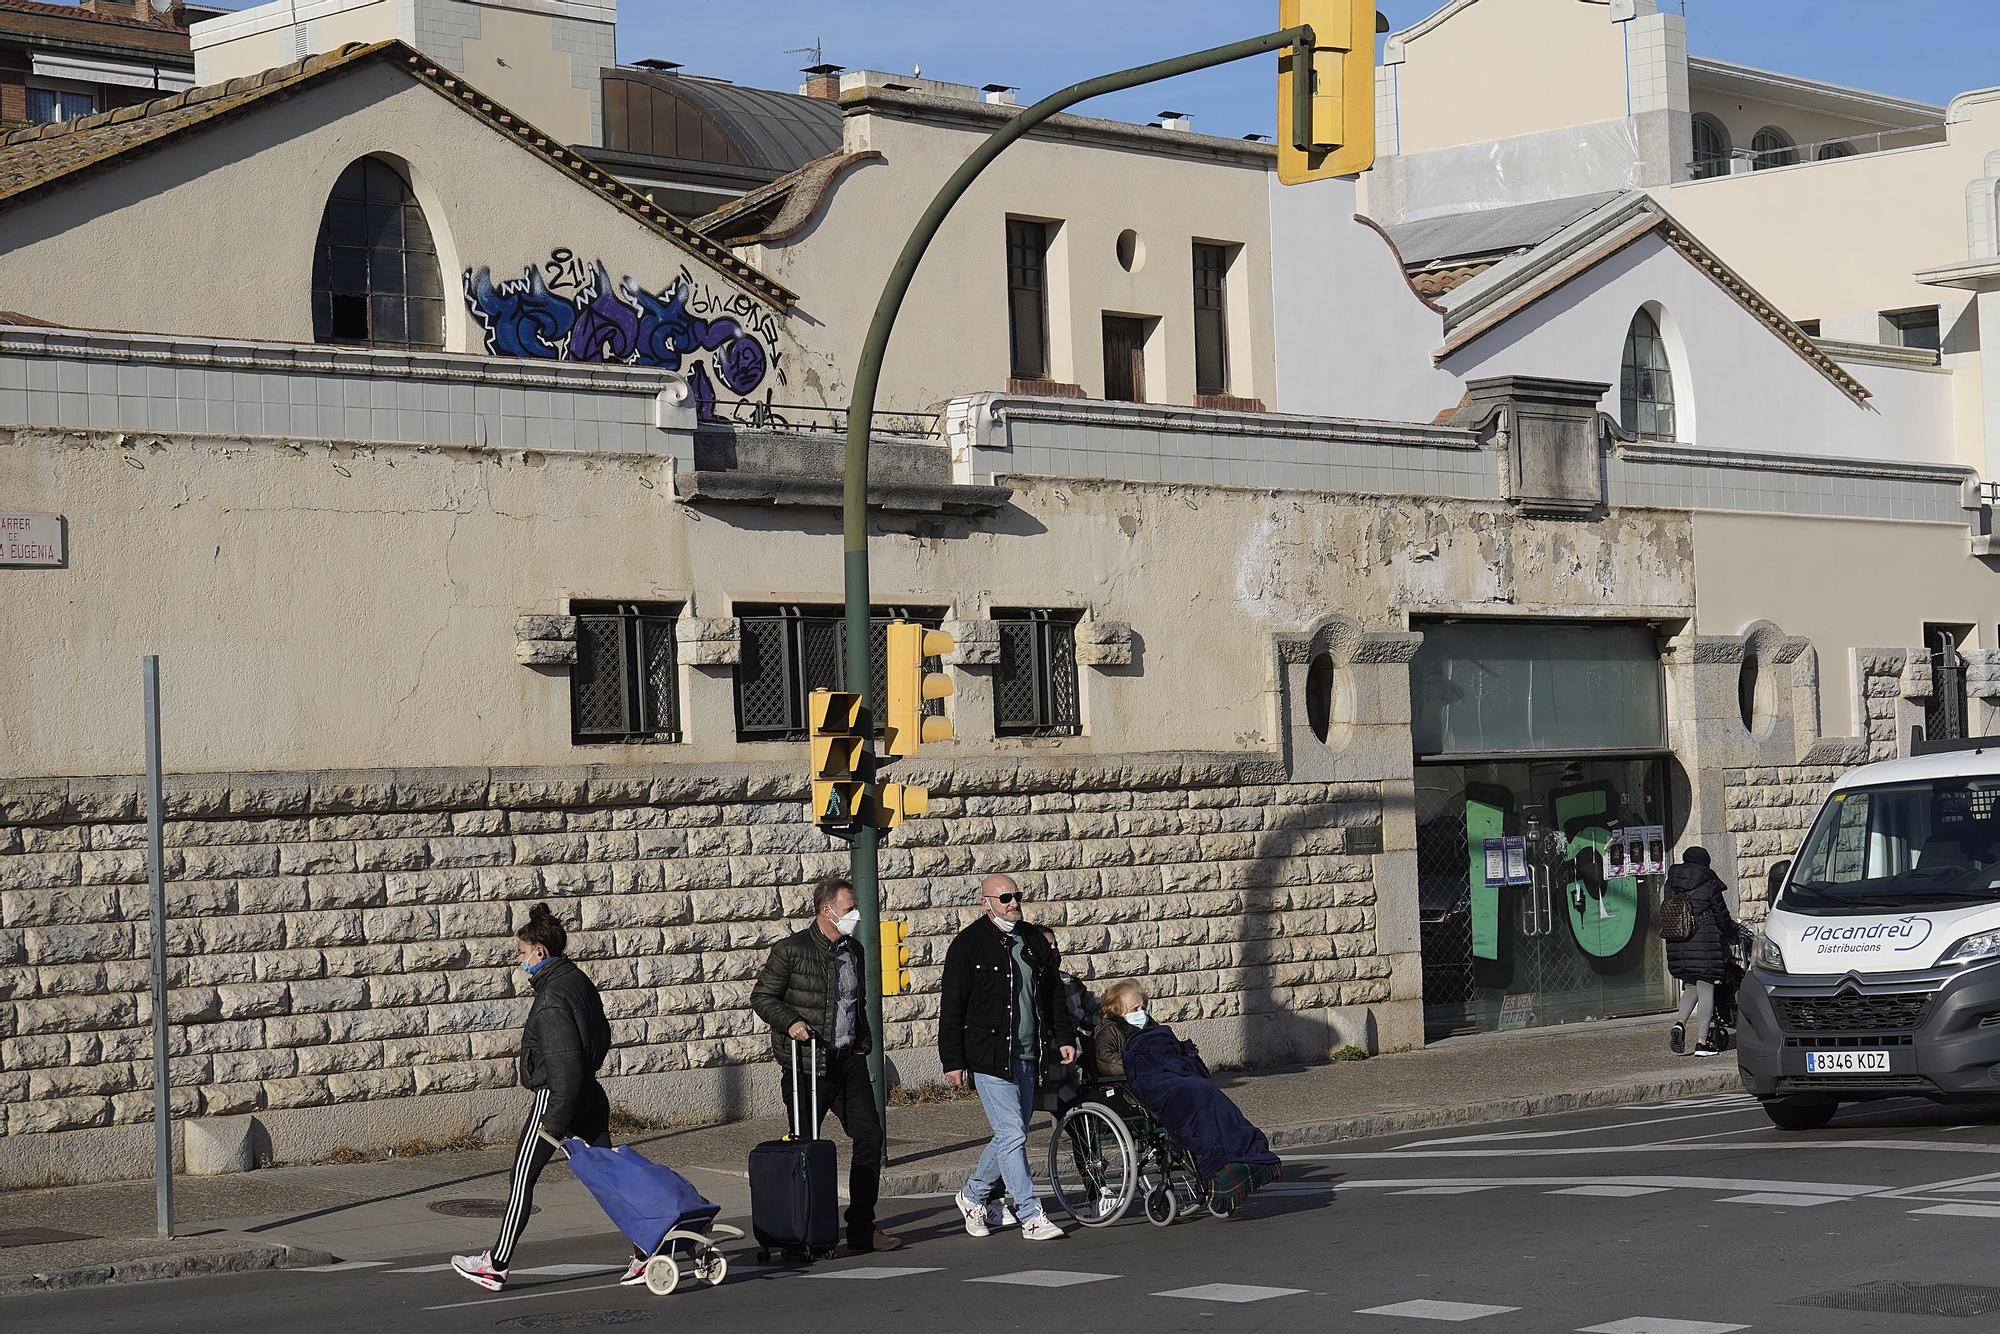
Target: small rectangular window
1211,337
1810,328
1912,328
791,651
1125,358
47,106
1035,690
625,686
1028,299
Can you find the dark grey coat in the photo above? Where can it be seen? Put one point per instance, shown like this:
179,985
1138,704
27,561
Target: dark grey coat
1703,956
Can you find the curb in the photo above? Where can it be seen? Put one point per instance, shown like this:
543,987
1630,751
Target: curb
150,1268
1372,1125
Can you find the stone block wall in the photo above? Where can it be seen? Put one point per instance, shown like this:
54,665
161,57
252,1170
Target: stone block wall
1769,811
344,940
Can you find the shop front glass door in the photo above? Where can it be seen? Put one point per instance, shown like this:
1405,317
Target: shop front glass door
1575,943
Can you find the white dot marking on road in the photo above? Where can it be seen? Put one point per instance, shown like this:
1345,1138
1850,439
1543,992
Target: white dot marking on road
1780,1199
1962,1210
872,1271
1648,1325
1230,1292
1430,1310
1445,1190
1612,1192
1044,1278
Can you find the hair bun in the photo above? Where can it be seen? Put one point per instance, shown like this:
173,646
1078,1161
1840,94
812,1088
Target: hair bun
540,912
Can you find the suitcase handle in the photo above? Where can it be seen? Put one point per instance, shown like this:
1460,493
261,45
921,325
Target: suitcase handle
798,1111
553,1140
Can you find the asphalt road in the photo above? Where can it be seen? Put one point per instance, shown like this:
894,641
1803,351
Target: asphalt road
1682,1218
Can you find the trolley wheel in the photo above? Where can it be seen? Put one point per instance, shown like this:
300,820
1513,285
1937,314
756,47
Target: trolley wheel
1161,1207
712,1267
1217,1211
663,1275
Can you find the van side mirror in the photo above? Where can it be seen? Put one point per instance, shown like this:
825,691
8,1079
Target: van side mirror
1774,880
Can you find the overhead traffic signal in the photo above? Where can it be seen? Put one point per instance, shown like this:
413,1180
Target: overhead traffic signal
835,739
1326,95
910,687
895,957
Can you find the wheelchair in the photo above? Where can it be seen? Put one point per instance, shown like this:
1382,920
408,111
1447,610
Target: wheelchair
1107,1153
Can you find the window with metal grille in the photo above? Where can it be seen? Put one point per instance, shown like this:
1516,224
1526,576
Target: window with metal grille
1211,336
52,106
1944,712
1028,298
1035,691
1772,147
791,651
1646,384
1711,148
626,682
376,281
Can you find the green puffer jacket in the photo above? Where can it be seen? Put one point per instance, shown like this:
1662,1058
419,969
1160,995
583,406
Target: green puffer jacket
796,982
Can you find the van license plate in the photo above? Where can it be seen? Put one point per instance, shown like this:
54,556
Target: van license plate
1847,1062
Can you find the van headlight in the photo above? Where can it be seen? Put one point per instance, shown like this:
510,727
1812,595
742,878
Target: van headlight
1985,945
1770,957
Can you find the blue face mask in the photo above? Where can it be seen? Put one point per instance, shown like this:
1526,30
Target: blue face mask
1136,1018
531,968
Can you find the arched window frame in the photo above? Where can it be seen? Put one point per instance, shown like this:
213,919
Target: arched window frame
1647,401
377,279
1772,147
1715,161
1833,150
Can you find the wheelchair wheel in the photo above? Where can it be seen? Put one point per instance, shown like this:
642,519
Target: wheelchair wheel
1093,1166
1161,1206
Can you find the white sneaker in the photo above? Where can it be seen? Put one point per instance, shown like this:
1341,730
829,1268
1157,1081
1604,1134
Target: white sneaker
1039,1228
974,1214
1000,1214
479,1269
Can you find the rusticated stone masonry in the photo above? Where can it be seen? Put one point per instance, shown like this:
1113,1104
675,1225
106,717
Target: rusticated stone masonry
336,937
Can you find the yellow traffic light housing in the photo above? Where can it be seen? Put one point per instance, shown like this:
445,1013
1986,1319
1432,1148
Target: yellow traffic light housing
910,687
835,742
895,957
1326,99
897,802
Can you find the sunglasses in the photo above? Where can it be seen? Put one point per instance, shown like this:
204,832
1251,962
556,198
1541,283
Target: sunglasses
1007,898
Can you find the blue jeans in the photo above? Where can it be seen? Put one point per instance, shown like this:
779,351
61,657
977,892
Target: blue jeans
1009,1104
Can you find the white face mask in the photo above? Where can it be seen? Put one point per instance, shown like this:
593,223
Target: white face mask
847,921
1004,924
1137,1018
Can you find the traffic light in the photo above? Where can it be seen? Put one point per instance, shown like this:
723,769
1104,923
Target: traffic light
896,802
836,756
895,957
1326,116
911,687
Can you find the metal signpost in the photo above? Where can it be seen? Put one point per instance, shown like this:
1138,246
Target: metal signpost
163,1137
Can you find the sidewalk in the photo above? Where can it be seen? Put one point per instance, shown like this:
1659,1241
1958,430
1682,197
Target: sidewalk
293,1217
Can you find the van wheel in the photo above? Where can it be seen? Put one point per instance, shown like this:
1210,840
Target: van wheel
1799,1113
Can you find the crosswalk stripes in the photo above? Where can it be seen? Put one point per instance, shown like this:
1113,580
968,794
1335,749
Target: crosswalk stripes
1426,1309
1444,1190
1044,1278
1611,1192
1962,1210
341,1267
871,1271
1645,1326
1230,1292
1780,1198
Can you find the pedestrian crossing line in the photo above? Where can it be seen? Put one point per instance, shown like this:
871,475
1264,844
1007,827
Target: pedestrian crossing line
1611,1192
1780,1199
873,1271
340,1267
1045,1278
1962,1210
1425,1309
425,1269
1230,1292
1646,1325
1444,1190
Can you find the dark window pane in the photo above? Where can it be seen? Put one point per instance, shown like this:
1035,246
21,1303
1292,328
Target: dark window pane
1027,298
347,269
597,684
1211,344
350,318
1035,688
659,699
346,224
385,225
353,182
762,680
426,324
375,252
388,325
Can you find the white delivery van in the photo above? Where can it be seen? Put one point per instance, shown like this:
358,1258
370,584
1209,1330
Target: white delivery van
1878,971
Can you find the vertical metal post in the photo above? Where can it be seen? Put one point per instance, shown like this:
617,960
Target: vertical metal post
163,1138
854,481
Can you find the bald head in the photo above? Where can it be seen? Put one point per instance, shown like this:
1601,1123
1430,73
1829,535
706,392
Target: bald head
1001,898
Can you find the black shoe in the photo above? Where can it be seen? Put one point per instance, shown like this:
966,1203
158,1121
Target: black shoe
880,1241
1678,1042
1707,1049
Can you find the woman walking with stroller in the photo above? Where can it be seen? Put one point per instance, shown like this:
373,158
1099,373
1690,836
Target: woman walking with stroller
563,1043
1697,927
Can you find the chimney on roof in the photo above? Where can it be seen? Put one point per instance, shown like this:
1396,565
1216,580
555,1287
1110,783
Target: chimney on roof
1174,120
1000,95
165,12
660,66
822,81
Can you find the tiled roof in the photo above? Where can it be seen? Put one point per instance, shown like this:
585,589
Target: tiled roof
777,211
1436,282
78,15
38,157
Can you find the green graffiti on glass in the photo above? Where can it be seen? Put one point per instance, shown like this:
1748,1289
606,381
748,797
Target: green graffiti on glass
1602,922
1483,821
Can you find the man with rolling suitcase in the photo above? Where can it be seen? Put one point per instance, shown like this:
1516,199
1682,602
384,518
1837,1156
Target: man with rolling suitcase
810,991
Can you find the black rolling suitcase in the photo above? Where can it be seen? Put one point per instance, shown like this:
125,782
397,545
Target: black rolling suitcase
794,1201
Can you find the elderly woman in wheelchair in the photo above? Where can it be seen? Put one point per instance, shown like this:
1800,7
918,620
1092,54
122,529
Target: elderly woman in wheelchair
1149,1126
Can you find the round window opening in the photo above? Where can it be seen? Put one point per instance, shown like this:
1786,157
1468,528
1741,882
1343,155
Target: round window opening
1319,695
1131,251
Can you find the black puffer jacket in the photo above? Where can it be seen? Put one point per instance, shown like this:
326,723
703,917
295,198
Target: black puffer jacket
565,1040
796,983
1703,956
976,1006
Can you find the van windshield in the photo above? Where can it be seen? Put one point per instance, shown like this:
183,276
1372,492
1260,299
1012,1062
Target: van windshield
1901,845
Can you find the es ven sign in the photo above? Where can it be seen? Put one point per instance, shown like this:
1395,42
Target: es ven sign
35,540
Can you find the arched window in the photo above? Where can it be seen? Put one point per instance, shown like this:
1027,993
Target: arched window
1835,149
1646,385
1711,148
1772,147
375,268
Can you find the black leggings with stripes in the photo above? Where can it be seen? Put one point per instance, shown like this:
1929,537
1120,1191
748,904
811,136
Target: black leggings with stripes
591,1124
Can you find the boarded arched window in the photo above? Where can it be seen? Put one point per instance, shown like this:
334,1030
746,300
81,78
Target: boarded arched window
1711,148
1772,147
1646,384
376,281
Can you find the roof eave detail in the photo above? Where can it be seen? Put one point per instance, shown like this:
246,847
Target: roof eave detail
1813,94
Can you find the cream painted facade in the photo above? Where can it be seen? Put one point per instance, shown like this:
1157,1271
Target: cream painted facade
542,58
1092,180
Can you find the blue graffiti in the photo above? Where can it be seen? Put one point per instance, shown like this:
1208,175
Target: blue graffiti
578,314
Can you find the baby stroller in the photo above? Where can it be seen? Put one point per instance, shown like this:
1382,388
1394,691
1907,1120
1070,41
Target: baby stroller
657,1209
1723,1021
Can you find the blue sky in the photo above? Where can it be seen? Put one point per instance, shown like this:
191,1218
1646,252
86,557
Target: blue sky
1927,49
